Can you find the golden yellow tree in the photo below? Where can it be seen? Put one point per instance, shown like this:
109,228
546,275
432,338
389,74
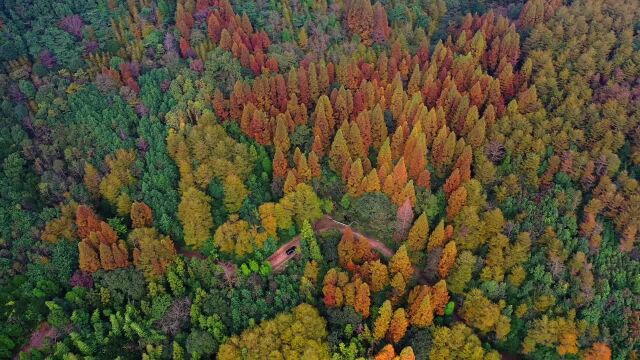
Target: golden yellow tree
401,264
437,237
194,212
418,233
379,275
354,182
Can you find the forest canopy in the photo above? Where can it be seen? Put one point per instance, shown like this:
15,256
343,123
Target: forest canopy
332,179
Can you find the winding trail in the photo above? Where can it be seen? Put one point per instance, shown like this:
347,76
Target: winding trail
279,258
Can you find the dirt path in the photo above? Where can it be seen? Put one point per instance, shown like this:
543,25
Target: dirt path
38,337
279,258
328,223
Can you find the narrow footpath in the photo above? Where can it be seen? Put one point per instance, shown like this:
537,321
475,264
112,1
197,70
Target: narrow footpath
279,258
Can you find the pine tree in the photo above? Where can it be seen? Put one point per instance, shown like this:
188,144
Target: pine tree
225,40
91,179
364,125
88,258
397,143
332,295
360,19
235,192
401,264
194,213
318,145
281,139
421,307
381,29
437,237
448,258
314,89
86,221
407,354
310,243
355,143
220,105
268,218
339,154
386,353
417,239
479,312
363,300
398,326
289,183
379,275
120,254
598,351
398,99
400,176
184,20
381,325
379,130
280,164
141,215
371,182
413,86
417,160
106,257
462,272
440,297
408,193
354,181
398,283
346,247
456,201
384,159
404,216
302,169
323,77
314,164
452,182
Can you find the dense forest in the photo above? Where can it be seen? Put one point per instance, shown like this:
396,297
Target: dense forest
320,179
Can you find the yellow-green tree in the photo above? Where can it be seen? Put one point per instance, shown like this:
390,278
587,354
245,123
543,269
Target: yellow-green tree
462,272
237,236
300,334
339,153
479,312
303,204
194,213
458,342
381,325
234,193
114,186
